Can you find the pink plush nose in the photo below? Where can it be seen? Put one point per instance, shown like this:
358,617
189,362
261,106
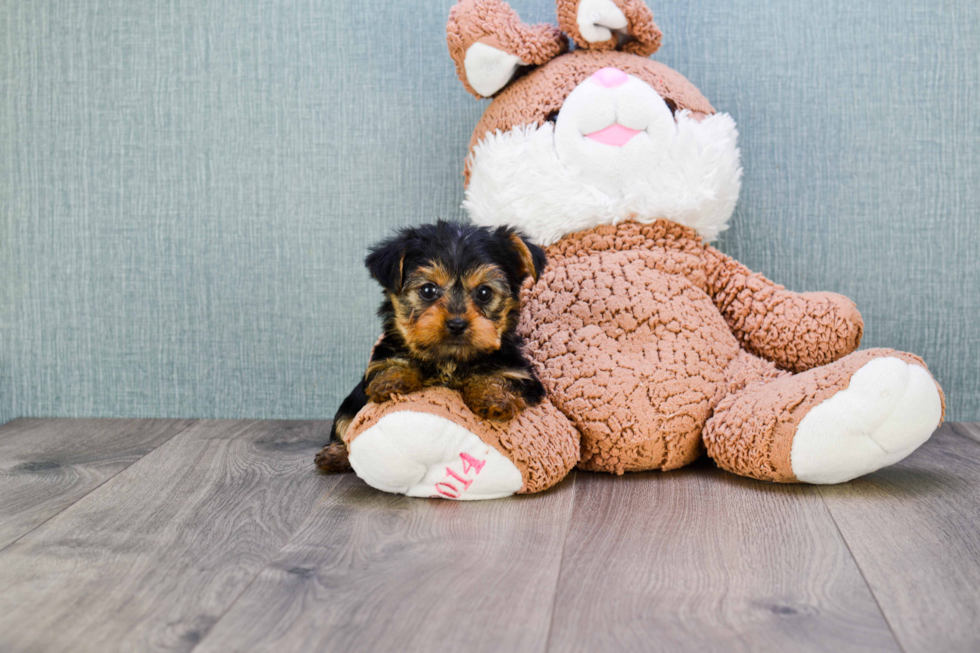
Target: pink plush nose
609,77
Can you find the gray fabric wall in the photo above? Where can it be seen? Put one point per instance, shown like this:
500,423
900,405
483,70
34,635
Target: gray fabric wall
187,187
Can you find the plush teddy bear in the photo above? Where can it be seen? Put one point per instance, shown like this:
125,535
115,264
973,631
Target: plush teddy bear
653,345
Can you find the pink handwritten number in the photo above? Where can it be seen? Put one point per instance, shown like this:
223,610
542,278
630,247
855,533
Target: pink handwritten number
467,482
452,492
469,462
447,489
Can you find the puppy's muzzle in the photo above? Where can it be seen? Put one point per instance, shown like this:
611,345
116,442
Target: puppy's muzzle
457,326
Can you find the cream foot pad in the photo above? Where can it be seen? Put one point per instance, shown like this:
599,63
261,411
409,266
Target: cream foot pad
888,409
424,455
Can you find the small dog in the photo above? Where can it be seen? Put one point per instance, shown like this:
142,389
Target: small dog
450,313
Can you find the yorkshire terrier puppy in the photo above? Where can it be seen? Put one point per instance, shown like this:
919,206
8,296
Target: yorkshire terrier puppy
450,313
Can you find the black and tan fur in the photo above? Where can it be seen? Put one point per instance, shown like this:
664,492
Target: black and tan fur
452,302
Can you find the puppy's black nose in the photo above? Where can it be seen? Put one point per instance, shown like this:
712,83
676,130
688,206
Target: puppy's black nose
456,326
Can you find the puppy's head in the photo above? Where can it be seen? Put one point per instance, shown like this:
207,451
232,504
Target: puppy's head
454,289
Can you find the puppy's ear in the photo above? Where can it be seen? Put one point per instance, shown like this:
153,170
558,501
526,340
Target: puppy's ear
625,25
533,258
386,263
488,42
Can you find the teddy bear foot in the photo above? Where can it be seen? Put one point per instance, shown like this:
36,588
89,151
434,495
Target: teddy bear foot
429,444
829,424
424,455
888,409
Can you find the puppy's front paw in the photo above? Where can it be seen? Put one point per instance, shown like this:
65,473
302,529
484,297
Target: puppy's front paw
491,399
394,380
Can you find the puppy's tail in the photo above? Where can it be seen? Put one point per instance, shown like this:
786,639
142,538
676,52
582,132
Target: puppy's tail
333,458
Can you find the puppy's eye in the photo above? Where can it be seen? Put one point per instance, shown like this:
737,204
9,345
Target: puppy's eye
428,292
483,294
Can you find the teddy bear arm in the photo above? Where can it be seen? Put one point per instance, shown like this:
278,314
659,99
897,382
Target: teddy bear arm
796,331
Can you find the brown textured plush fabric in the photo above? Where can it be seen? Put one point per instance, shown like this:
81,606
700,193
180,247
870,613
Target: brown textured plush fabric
531,98
796,331
752,431
645,34
494,23
630,345
540,441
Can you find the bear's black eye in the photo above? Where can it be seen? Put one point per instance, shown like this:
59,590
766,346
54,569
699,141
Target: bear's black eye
483,294
428,292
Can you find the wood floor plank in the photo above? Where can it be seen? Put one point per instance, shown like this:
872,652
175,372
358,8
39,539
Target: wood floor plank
914,530
47,465
378,572
153,557
701,560
966,429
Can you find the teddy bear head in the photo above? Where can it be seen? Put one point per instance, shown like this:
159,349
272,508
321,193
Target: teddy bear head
593,135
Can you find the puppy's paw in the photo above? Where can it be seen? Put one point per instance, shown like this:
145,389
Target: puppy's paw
333,458
489,398
394,380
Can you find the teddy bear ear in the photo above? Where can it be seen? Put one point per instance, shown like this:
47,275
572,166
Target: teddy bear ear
488,42
625,25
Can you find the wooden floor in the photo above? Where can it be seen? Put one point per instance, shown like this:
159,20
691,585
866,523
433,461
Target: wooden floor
219,536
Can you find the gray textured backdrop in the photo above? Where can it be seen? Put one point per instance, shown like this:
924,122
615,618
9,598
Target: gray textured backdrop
187,187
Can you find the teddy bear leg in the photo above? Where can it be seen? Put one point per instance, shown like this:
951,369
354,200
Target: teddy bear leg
429,444
830,424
